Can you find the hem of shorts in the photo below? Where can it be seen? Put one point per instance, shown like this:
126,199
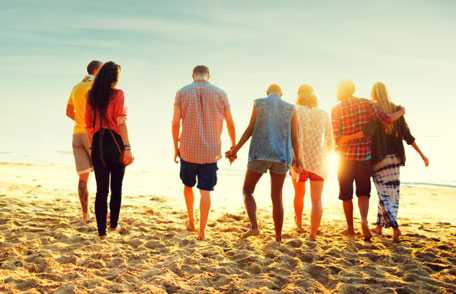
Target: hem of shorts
275,161
87,170
204,189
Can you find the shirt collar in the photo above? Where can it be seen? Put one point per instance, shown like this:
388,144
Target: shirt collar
88,78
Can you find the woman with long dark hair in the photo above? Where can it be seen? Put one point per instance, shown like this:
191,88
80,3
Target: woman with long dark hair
106,125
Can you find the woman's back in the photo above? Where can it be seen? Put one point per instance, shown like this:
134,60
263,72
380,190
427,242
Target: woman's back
315,138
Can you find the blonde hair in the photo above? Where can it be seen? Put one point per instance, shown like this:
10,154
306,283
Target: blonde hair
345,90
306,96
274,89
380,95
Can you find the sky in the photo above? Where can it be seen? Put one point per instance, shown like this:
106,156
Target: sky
409,45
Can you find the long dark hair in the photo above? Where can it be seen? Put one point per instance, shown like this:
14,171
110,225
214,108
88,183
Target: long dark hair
103,87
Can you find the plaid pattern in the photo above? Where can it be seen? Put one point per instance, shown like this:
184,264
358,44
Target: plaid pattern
349,117
202,107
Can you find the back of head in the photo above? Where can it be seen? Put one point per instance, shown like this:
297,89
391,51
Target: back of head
102,88
345,90
379,94
200,73
93,67
274,89
306,96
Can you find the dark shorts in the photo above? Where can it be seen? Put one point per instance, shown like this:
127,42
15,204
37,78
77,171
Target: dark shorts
205,173
351,171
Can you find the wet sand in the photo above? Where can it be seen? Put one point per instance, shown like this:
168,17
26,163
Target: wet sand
44,248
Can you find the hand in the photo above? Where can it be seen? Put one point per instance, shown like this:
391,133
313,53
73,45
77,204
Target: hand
402,110
128,157
231,154
297,165
176,155
426,161
343,140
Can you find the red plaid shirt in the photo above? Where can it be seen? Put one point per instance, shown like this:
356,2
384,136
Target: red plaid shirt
348,117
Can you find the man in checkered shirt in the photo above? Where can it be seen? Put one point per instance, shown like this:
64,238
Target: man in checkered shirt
348,119
200,108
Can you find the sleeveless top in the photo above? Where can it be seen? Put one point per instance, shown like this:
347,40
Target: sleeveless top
271,138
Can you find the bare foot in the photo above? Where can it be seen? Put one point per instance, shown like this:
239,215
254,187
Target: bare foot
366,231
201,237
116,229
313,237
350,232
396,234
251,232
85,218
102,237
377,230
191,226
299,228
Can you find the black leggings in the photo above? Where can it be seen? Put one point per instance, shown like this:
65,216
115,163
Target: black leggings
106,164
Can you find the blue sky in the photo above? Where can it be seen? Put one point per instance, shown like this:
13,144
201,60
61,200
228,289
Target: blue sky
410,45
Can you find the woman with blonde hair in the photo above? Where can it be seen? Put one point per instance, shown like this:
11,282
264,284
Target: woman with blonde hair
388,155
315,142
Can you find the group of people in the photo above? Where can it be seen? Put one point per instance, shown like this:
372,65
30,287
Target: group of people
285,139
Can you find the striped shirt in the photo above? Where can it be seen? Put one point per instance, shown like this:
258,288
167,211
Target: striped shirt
202,108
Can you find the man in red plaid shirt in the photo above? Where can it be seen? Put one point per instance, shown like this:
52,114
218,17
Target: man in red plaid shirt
348,118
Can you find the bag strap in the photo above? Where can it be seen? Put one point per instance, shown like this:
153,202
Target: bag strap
115,141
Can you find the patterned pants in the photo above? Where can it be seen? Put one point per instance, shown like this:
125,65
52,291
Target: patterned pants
387,181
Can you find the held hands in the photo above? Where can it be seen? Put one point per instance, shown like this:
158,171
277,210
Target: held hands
231,154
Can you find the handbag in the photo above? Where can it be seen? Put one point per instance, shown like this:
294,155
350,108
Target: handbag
122,157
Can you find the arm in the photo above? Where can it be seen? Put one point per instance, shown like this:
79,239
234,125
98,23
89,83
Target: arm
70,109
230,126
407,136
121,119
295,141
336,126
175,129
244,138
329,140
423,157
343,140
89,122
397,115
386,118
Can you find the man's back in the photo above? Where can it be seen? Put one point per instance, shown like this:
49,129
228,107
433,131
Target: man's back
271,138
349,117
78,99
203,107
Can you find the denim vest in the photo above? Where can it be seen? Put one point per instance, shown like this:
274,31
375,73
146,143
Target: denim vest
271,138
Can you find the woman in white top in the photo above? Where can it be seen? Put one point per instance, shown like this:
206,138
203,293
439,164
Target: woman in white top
316,141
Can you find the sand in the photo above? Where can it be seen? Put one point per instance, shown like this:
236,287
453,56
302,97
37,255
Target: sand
44,248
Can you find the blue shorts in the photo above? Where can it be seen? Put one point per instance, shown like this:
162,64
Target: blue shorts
206,174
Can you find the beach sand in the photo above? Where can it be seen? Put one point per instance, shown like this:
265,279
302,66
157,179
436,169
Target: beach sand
44,248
